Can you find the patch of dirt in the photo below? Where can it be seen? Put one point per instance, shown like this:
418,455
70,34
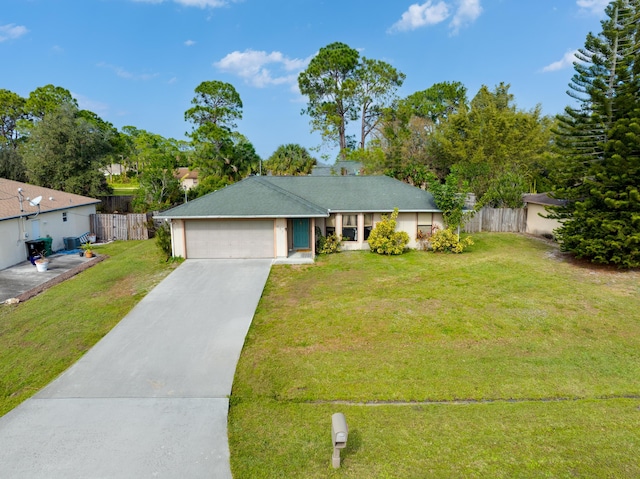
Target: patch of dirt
584,264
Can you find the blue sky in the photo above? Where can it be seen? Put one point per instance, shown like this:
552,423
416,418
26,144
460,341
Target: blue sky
137,62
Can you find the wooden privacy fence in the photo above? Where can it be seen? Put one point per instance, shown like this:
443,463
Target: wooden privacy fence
119,227
505,220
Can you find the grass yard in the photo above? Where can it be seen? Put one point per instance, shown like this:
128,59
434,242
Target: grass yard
129,188
506,361
43,336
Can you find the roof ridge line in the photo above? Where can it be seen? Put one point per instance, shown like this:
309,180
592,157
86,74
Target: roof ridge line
263,181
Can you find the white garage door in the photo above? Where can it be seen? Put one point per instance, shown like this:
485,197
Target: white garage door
229,239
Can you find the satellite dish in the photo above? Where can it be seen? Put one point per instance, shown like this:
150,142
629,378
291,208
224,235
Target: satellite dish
36,201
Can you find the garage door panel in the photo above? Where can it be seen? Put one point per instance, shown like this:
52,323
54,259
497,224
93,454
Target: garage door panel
229,239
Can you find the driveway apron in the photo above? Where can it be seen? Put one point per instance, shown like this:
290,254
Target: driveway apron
151,398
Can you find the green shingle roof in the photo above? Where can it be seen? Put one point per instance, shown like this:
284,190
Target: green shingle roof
306,196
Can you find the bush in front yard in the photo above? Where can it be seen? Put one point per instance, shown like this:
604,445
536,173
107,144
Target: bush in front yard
163,239
329,244
384,239
446,241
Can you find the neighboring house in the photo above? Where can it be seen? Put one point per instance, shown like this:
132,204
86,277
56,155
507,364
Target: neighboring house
275,216
340,168
537,221
188,178
57,215
114,169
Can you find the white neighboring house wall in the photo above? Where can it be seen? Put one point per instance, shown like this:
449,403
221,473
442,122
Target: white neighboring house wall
537,224
15,232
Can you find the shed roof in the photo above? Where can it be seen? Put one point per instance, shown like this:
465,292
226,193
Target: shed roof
542,199
306,196
52,200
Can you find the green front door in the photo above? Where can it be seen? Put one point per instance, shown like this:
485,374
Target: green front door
301,233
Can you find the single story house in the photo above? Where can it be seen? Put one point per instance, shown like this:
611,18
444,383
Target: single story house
29,212
538,222
277,216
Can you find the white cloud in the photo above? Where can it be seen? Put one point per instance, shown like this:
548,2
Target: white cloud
593,6
565,62
422,15
127,75
468,11
11,31
262,69
192,3
189,43
85,103
430,13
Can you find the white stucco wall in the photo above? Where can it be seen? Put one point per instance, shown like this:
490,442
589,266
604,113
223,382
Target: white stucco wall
14,232
178,245
536,224
281,243
407,222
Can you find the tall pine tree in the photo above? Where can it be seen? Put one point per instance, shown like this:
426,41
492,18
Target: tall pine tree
599,142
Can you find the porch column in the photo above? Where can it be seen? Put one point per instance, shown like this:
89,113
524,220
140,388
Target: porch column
360,229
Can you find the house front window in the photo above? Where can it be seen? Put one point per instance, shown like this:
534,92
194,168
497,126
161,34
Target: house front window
349,227
425,224
330,225
64,216
368,225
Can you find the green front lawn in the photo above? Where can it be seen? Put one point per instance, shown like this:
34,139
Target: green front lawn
506,361
45,335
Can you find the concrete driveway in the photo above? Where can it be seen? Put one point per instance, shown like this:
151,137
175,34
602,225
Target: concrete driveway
151,398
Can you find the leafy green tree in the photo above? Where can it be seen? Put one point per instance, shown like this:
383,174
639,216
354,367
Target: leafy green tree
11,164
493,139
406,130
330,84
64,151
48,99
11,113
376,83
291,159
506,191
215,103
450,197
221,154
342,87
437,102
599,142
156,159
12,110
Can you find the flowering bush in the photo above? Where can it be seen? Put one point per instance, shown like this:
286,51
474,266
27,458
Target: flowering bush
384,239
446,241
327,244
